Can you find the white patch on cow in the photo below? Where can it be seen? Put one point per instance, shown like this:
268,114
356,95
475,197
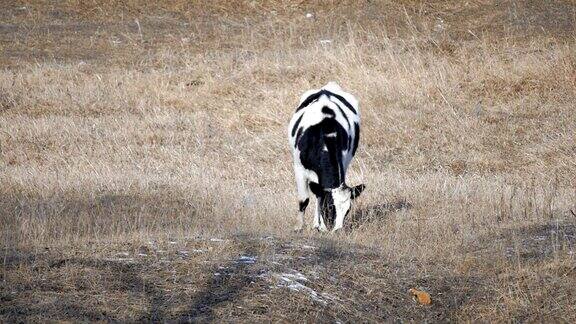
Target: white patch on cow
330,135
324,148
342,202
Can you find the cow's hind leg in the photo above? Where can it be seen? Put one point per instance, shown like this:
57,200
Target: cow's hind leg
302,204
303,200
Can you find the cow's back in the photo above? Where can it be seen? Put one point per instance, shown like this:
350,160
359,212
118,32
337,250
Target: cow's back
326,123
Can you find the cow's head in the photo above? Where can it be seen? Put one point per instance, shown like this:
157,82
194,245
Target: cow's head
335,203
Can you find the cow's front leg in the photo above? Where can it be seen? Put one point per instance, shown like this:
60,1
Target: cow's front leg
318,221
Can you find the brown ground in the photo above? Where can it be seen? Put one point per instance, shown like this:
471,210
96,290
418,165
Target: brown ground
145,173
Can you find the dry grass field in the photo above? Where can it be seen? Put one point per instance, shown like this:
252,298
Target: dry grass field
145,173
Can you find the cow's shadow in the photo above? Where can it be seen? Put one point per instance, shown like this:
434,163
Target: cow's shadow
364,215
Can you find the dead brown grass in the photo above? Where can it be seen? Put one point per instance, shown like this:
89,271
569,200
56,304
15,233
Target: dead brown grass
127,126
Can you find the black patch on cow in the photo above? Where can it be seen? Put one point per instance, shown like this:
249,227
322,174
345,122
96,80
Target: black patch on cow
303,204
341,143
315,96
356,138
344,101
316,189
328,111
296,124
311,98
326,163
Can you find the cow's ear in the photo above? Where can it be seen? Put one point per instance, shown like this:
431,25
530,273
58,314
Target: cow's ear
316,189
356,191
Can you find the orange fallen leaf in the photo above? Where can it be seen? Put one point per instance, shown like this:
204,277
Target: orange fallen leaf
421,296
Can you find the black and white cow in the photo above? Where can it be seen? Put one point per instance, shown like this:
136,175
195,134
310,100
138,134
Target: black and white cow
324,134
